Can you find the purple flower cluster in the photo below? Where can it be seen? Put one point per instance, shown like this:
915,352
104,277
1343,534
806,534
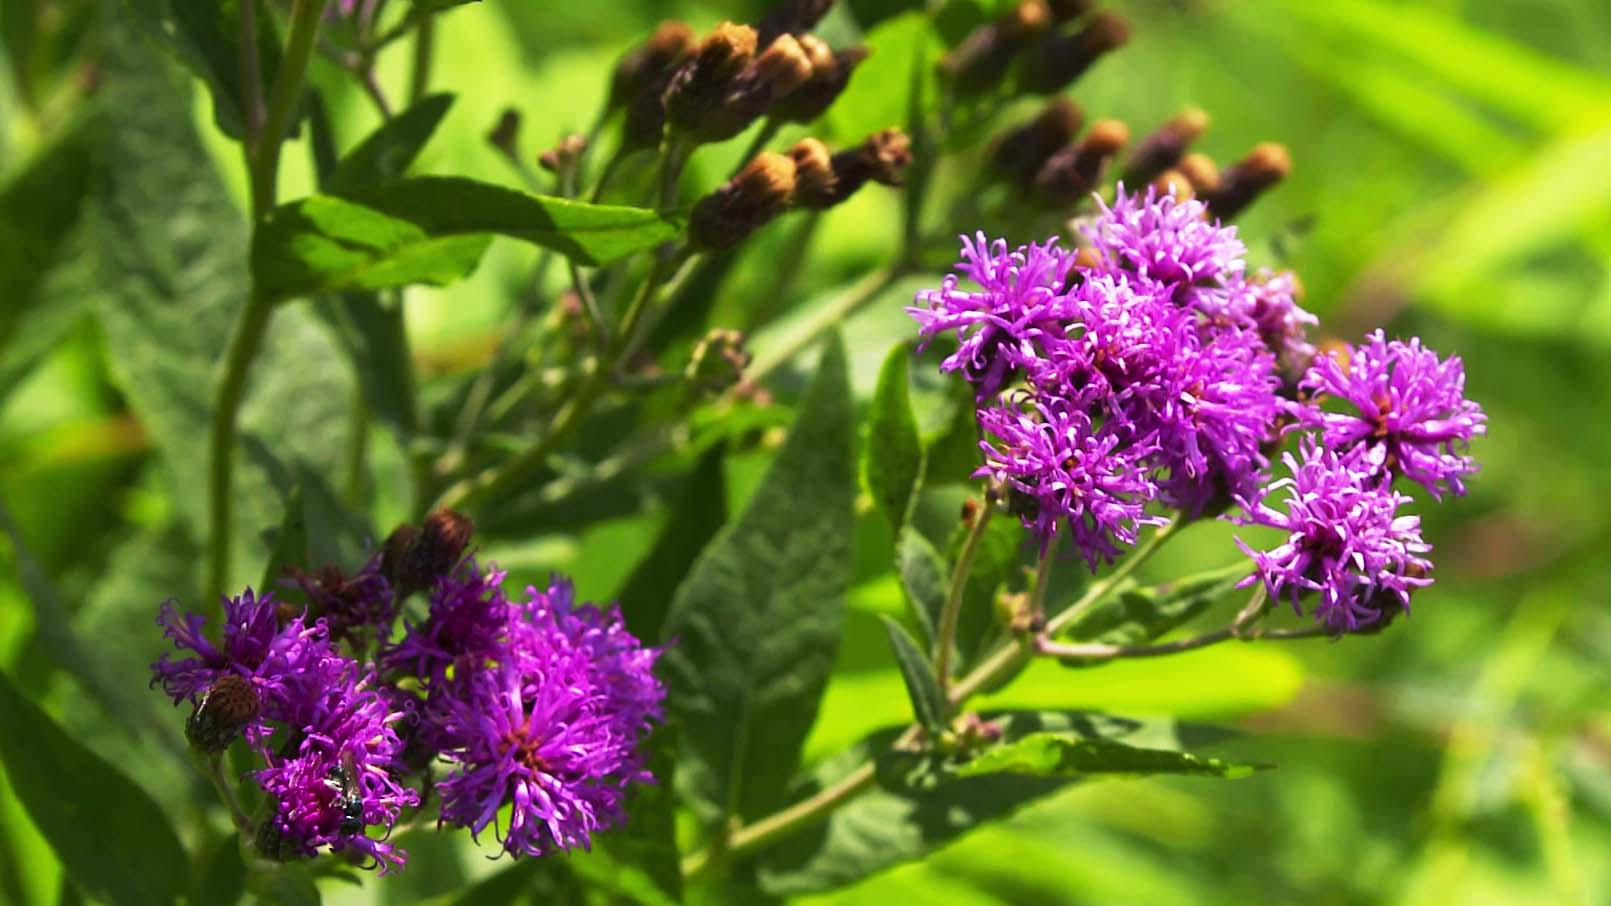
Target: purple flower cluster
1150,371
533,708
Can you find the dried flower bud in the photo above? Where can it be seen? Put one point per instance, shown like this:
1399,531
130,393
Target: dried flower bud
771,76
1060,59
980,62
1087,258
703,82
645,120
415,557
815,184
830,73
1173,182
1020,153
792,17
718,361
645,64
564,155
1267,164
224,710
505,134
1163,148
1199,170
883,158
1072,173
744,203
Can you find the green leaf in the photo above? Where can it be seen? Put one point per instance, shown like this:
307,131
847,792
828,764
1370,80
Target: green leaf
1067,755
893,460
290,543
928,702
758,620
877,96
207,37
1143,614
375,339
503,888
390,150
700,512
433,230
223,875
924,577
639,860
891,824
114,841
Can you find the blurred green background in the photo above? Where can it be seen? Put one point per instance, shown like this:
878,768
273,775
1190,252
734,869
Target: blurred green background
1452,179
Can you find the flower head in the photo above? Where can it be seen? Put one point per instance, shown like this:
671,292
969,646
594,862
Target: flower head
467,625
1271,306
1019,301
1401,400
1062,472
362,601
1346,541
1170,242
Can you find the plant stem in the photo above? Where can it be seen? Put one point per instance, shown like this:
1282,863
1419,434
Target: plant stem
854,299
251,74
1043,576
211,765
1099,591
1050,648
424,45
283,97
243,347
945,638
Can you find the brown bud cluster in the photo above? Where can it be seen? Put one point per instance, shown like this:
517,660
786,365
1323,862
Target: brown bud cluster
505,134
758,193
792,17
1057,61
1072,173
980,63
1019,153
830,73
642,66
223,711
823,180
414,557
1244,181
1163,149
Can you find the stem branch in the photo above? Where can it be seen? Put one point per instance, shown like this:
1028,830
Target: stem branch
945,638
283,97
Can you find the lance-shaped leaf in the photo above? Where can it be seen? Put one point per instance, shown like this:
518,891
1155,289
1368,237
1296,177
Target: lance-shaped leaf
390,150
700,512
1140,615
756,625
924,578
928,702
921,804
432,230
1069,755
893,461
115,843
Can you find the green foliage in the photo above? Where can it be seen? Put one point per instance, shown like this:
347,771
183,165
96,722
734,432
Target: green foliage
1065,755
893,459
758,618
391,149
114,840
929,706
924,578
431,230
1139,615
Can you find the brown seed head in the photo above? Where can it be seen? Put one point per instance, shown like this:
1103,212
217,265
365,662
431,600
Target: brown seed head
829,76
783,66
703,82
1060,59
815,185
794,17
224,709
641,66
1021,152
1163,148
887,154
1199,170
1174,183
1267,164
758,193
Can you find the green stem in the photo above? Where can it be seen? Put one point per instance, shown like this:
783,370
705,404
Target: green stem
1043,577
1099,591
243,348
945,638
305,18
251,73
830,317
211,765
424,46
1100,651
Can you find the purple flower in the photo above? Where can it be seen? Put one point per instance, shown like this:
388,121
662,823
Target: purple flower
1170,242
1346,541
1270,303
553,729
466,627
363,601
341,778
1402,401
998,326
1061,471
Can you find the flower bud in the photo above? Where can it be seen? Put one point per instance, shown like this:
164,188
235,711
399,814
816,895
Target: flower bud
1060,59
563,156
815,184
223,711
415,557
1021,152
1242,182
718,361
744,203
1072,173
702,83
980,62
1163,148
792,17
830,73
773,75
1199,170
645,64
505,134
1173,182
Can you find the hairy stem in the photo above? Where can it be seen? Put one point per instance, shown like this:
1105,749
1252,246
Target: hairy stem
950,612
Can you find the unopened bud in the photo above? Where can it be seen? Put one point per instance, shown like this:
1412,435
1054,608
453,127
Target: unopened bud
1021,152
815,185
1173,182
702,83
1072,173
1162,149
223,711
744,203
415,557
563,156
1267,164
882,158
830,73
643,65
771,76
505,134
1060,59
1199,170
792,17
978,64
718,361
